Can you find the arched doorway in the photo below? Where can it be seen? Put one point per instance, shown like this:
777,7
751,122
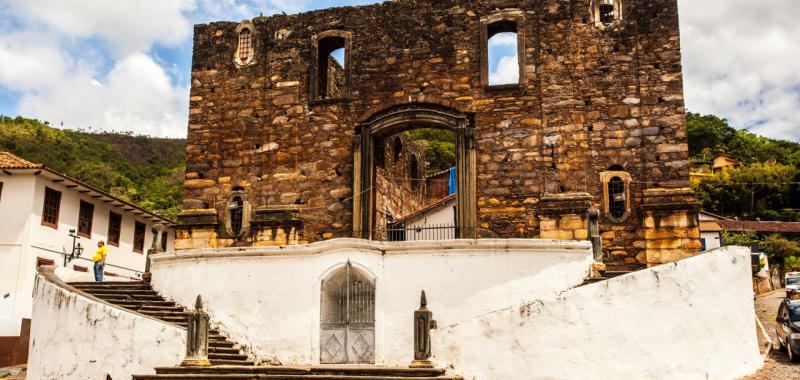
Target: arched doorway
400,119
347,320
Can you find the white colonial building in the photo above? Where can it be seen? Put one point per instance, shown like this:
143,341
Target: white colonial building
39,210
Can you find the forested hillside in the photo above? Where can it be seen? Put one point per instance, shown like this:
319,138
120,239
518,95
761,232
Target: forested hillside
144,170
765,188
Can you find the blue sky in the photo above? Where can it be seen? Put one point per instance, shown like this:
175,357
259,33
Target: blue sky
125,65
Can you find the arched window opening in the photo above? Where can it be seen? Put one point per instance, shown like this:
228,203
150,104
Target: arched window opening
397,148
415,174
616,197
245,45
332,67
236,209
503,53
607,11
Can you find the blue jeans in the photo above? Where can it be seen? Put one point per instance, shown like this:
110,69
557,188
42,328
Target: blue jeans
98,271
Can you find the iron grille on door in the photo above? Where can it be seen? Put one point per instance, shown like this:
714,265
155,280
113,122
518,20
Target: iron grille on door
347,333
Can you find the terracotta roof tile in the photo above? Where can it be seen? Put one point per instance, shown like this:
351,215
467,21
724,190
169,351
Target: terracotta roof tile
10,161
709,226
756,226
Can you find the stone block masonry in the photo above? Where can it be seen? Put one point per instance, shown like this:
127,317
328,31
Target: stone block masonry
593,97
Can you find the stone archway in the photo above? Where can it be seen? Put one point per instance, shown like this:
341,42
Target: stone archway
400,119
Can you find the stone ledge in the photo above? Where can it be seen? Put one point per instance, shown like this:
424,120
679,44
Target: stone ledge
382,248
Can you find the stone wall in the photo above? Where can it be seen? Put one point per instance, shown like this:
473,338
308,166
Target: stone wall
400,180
590,98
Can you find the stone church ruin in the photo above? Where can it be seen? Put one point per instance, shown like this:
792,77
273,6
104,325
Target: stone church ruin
292,119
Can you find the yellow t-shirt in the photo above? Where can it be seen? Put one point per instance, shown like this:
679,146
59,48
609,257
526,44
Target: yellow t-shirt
101,254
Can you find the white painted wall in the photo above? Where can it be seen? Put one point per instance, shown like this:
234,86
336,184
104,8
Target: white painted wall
693,319
269,298
444,215
23,239
712,240
75,337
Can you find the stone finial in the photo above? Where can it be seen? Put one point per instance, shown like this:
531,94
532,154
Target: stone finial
423,324
197,337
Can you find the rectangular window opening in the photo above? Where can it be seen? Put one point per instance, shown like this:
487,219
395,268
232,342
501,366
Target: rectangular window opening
51,207
332,68
85,220
138,237
42,261
114,228
503,59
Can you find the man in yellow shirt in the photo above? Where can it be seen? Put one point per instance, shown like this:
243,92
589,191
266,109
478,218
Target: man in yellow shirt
100,260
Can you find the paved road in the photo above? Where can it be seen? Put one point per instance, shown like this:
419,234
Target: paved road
778,365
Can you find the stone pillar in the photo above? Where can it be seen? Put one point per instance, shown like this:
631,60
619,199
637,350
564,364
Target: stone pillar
196,229
564,216
197,337
423,324
670,229
277,226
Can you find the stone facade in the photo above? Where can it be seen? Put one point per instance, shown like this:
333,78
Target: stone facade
594,96
401,187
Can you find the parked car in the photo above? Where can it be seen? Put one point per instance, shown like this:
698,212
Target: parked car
788,330
792,281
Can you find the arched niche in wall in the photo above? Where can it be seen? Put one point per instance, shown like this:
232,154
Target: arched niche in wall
616,194
245,54
237,214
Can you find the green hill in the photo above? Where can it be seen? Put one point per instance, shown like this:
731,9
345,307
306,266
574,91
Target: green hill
145,170
765,188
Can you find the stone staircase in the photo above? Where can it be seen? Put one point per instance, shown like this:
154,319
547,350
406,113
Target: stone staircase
355,372
140,297
606,275
227,361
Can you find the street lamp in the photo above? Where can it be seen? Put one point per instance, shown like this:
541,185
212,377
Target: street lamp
77,250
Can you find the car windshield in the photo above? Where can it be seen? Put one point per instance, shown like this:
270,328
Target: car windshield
793,281
794,312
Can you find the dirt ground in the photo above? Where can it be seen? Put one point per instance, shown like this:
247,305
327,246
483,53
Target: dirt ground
778,365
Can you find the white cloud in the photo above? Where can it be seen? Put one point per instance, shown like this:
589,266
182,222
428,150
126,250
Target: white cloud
503,39
137,95
507,71
127,25
742,62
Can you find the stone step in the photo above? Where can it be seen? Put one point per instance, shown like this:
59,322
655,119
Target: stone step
222,350
225,362
326,370
78,284
126,292
227,356
202,376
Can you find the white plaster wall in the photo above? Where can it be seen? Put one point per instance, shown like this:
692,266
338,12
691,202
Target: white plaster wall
269,298
74,337
712,239
23,239
442,216
693,319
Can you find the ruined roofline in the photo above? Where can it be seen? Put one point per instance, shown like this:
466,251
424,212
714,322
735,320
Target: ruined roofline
264,19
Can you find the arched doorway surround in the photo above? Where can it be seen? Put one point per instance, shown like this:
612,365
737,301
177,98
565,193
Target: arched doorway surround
347,317
404,118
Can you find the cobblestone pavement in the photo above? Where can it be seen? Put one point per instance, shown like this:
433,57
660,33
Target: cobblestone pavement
778,365
13,373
